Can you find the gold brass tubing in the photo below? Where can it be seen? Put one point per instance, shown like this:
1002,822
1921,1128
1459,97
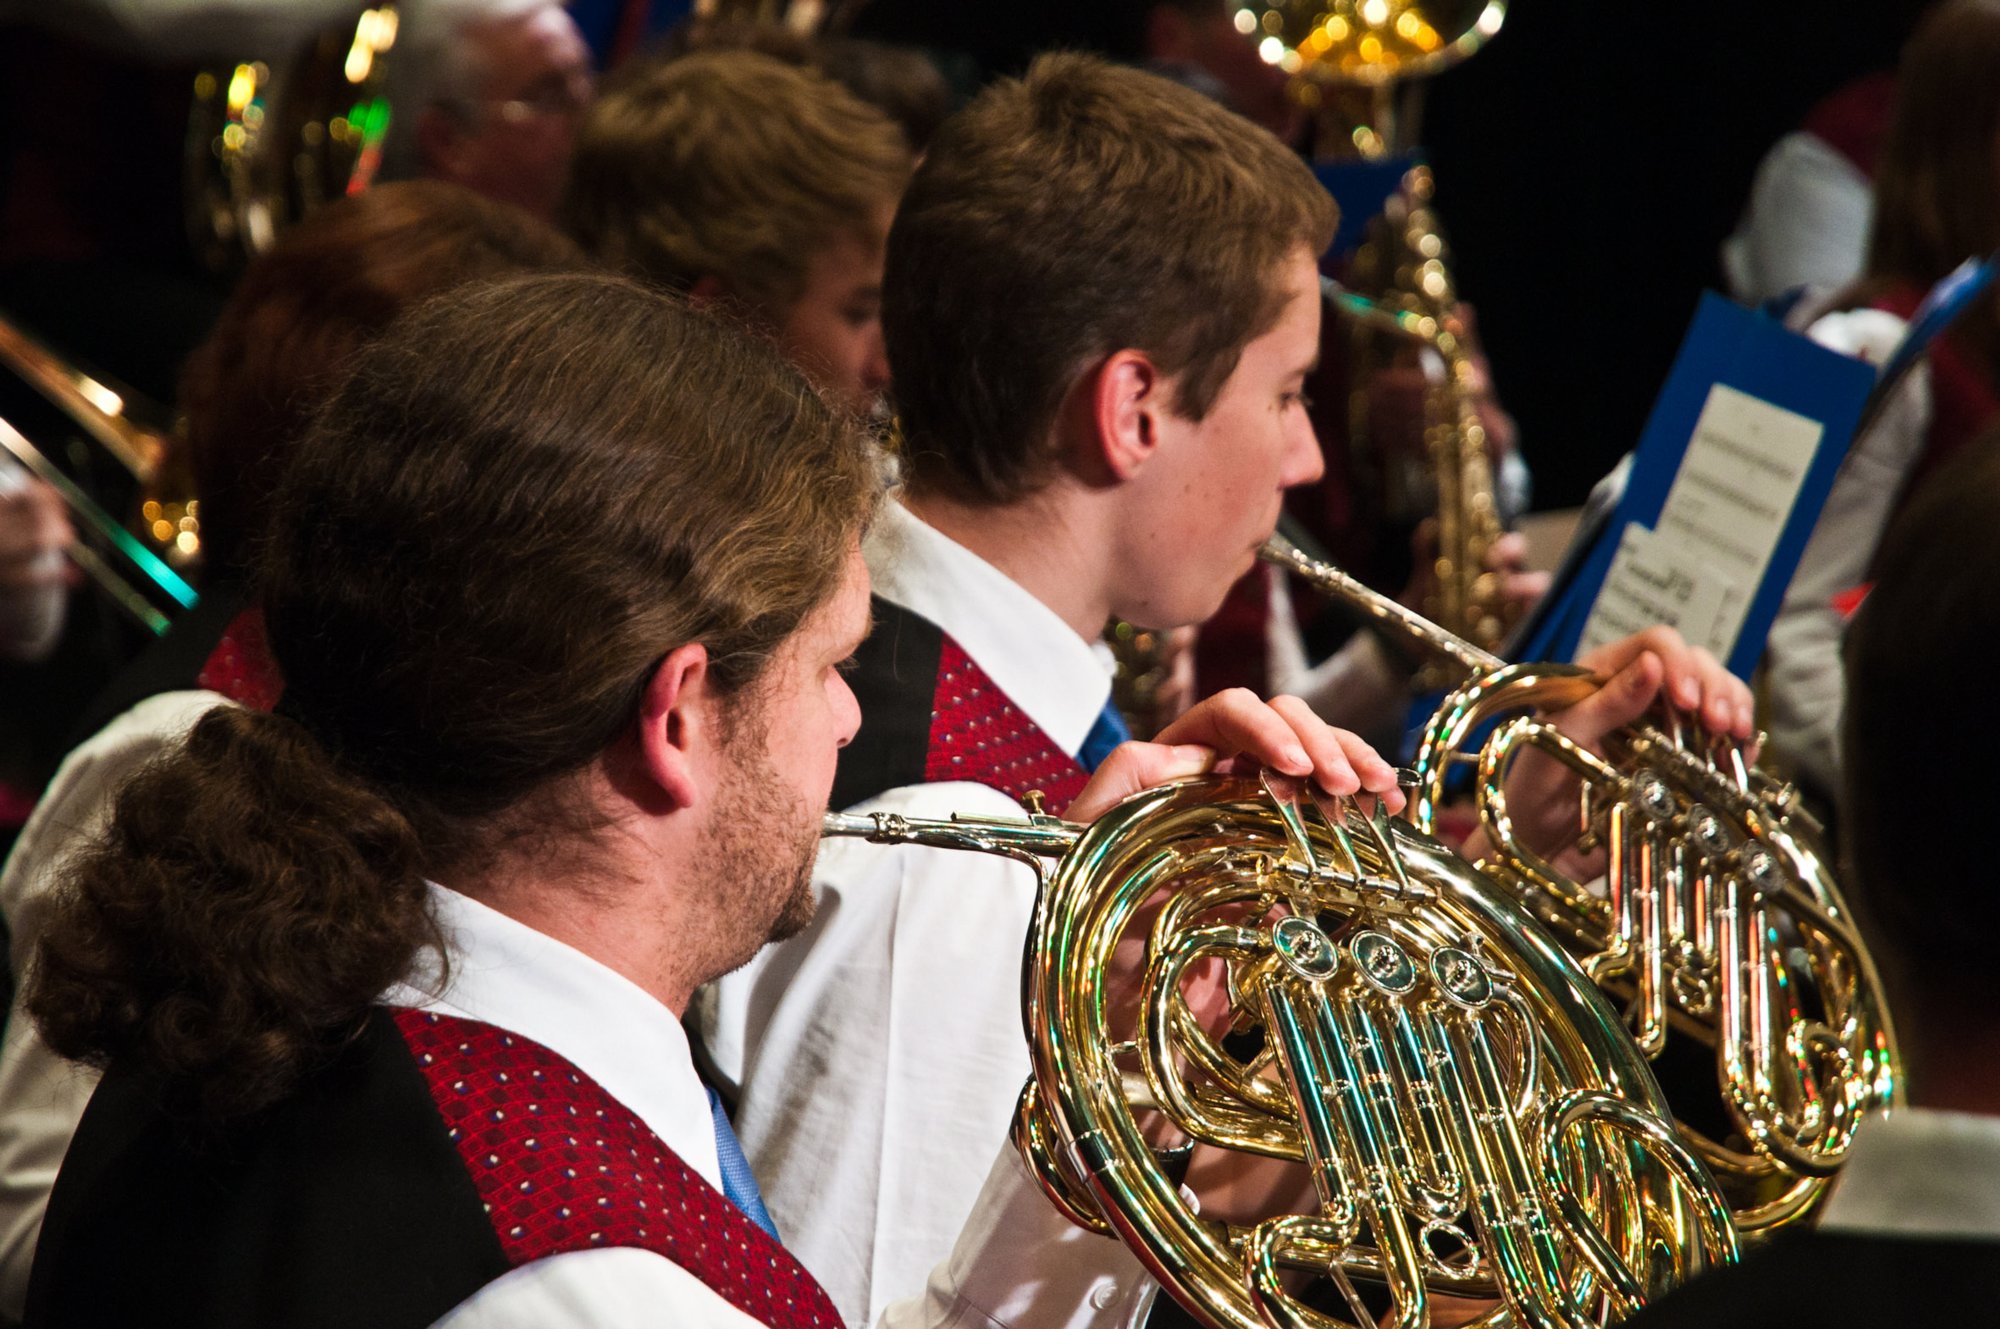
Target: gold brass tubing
1712,1230
1619,883
1386,610
1028,839
1426,1169
1343,1130
1167,1028
1650,1011
1031,1138
1519,1240
1495,812
96,408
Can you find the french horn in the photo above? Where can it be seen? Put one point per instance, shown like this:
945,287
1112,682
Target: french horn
1718,915
1461,1111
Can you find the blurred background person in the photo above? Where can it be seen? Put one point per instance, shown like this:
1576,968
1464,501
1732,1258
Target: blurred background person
1937,203
756,186
35,578
1807,221
899,81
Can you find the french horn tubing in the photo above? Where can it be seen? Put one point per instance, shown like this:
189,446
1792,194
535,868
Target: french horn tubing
1461,1112
1717,916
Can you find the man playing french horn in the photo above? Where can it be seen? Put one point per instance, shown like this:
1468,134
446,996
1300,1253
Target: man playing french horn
387,984
1101,302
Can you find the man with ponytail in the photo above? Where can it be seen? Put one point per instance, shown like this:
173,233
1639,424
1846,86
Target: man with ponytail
331,284
387,985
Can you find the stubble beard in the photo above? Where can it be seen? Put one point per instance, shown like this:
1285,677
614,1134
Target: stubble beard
764,846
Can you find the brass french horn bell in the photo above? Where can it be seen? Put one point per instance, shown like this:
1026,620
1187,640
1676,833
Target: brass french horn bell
1460,1111
1717,914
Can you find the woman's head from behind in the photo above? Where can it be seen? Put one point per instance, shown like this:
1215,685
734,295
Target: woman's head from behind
1937,188
292,327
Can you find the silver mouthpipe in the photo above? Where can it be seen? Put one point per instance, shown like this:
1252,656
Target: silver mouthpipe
1034,835
1379,608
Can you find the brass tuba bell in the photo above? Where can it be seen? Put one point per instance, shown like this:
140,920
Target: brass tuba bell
1370,42
270,140
1719,915
1461,1112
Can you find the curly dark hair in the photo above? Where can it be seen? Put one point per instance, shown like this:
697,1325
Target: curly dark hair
527,493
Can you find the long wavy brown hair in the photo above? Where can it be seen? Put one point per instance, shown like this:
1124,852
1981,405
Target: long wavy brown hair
526,494
1937,187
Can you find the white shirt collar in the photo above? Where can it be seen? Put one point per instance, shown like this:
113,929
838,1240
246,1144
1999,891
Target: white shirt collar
1038,660
1918,1172
506,974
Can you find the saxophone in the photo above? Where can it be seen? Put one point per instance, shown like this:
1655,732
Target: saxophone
1414,285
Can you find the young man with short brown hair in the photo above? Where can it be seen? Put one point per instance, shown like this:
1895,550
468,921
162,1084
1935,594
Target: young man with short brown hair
1101,303
754,184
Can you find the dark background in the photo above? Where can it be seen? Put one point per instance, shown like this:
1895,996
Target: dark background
1590,161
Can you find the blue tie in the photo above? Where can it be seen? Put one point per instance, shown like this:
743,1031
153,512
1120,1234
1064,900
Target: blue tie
1106,734
738,1182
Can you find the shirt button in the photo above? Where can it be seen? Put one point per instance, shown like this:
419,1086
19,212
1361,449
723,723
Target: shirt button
1104,1294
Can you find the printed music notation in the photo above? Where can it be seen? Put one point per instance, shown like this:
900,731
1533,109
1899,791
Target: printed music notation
1696,568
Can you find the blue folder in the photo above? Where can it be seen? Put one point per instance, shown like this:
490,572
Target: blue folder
1730,345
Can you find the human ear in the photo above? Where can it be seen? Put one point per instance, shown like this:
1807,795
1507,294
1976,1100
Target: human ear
677,725
1126,399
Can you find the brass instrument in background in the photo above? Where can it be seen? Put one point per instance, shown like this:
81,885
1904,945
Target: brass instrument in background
1466,597
1433,1078
1144,666
270,140
1356,64
1373,48
84,439
1720,916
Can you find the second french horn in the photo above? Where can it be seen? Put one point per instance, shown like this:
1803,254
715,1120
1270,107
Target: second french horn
1714,912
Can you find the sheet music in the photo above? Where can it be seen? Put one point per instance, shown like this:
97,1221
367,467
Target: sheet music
1699,565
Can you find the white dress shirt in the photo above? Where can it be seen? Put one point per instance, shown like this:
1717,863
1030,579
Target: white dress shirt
878,1055
1916,1172
1018,1261
1807,679
1806,223
42,1096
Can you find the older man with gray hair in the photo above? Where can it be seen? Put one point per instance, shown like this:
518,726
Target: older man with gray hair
488,94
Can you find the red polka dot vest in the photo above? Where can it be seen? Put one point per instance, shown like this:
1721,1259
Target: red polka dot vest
562,1166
